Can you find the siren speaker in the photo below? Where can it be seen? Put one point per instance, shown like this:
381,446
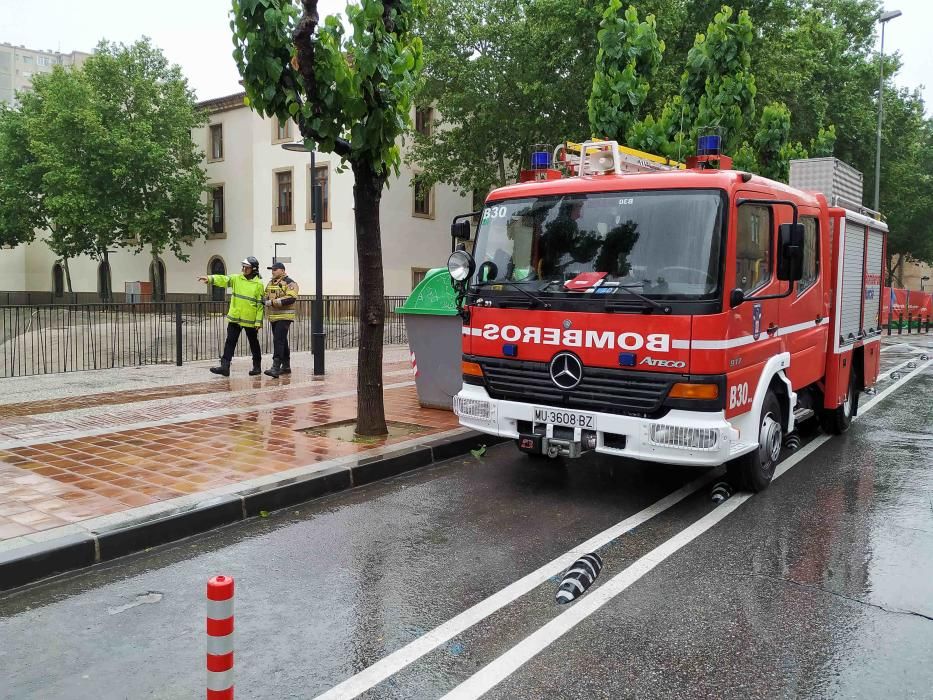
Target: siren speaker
601,162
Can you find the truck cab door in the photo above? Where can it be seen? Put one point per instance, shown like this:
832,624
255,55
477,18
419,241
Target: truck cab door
804,314
753,325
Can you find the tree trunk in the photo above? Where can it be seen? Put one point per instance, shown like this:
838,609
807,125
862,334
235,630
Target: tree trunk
501,159
157,282
367,194
893,270
67,274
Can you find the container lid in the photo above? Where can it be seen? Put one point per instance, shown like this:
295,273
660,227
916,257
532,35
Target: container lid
434,296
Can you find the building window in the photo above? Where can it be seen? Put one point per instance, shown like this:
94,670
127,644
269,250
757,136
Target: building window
217,267
104,286
217,142
417,275
27,59
811,253
58,280
217,209
283,198
423,198
753,247
158,283
322,178
281,131
424,120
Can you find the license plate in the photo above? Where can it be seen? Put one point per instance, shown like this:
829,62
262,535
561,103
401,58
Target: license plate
568,419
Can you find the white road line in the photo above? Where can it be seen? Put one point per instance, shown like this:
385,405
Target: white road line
509,662
891,347
397,660
886,373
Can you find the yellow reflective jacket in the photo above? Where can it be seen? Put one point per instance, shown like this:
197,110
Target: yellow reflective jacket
246,308
282,295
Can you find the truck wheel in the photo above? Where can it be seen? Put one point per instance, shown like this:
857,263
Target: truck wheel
754,471
836,421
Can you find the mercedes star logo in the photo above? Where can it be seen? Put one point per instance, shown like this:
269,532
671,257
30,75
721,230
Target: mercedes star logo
566,370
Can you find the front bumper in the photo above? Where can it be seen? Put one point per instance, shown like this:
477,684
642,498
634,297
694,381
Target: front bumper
701,439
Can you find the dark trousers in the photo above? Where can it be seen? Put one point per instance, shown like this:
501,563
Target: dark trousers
281,355
233,336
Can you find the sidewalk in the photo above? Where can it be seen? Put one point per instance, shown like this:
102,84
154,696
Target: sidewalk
93,450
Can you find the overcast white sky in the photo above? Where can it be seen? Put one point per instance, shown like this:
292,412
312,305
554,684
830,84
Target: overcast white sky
196,34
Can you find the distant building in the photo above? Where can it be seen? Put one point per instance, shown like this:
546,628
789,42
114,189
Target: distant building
260,196
18,65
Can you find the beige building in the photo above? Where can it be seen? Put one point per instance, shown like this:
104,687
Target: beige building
260,197
18,65
915,275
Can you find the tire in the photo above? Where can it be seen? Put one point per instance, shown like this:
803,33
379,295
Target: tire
754,471
836,421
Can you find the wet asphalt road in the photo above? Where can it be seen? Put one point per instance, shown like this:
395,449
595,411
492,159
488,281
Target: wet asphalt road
822,586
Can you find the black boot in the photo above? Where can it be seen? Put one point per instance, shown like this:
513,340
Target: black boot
255,371
275,370
285,368
223,370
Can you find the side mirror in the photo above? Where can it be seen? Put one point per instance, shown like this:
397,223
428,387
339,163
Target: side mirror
736,297
460,230
790,252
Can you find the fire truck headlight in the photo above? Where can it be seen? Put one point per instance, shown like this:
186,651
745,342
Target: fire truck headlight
461,265
682,437
474,408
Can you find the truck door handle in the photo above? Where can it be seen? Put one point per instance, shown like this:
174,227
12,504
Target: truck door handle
818,320
772,329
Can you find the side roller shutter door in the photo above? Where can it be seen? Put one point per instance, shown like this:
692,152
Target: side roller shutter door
851,298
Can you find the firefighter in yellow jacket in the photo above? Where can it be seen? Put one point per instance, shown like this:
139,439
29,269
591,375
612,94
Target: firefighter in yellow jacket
245,313
281,295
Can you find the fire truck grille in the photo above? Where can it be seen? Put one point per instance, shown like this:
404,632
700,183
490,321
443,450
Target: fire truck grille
607,390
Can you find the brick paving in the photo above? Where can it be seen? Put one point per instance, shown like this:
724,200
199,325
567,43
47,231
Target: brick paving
67,460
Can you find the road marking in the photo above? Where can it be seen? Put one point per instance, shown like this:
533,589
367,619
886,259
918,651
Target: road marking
886,373
397,660
509,662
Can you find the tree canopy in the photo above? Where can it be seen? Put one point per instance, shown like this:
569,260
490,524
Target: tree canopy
811,65
102,156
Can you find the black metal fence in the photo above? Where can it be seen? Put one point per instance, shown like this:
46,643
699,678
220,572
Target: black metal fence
47,339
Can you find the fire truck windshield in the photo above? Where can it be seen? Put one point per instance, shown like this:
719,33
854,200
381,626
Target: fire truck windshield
664,244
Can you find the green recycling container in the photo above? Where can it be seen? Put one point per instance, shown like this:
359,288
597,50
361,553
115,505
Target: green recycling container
434,337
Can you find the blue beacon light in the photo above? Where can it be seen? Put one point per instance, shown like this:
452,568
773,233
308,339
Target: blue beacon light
510,350
709,145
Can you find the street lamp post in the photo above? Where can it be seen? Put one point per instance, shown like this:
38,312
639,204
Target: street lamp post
317,306
884,18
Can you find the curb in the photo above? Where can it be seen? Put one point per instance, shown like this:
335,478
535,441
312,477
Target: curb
33,562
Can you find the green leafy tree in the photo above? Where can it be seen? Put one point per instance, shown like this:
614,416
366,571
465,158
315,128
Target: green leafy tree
103,157
722,56
156,184
628,58
772,143
504,75
351,94
21,210
824,143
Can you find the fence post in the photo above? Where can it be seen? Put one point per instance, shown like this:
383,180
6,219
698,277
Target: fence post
900,323
178,352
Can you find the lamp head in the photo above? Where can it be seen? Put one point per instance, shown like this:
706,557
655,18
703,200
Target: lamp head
889,15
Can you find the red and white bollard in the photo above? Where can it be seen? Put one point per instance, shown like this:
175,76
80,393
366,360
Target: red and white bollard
220,638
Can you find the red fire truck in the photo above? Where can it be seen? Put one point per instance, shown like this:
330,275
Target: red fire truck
691,315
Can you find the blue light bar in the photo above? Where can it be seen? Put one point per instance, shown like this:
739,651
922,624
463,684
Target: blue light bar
627,359
709,145
510,350
540,160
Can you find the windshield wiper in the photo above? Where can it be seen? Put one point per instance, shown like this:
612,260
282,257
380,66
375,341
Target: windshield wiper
651,302
537,300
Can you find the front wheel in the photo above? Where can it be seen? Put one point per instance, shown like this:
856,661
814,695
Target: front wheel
754,471
836,421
